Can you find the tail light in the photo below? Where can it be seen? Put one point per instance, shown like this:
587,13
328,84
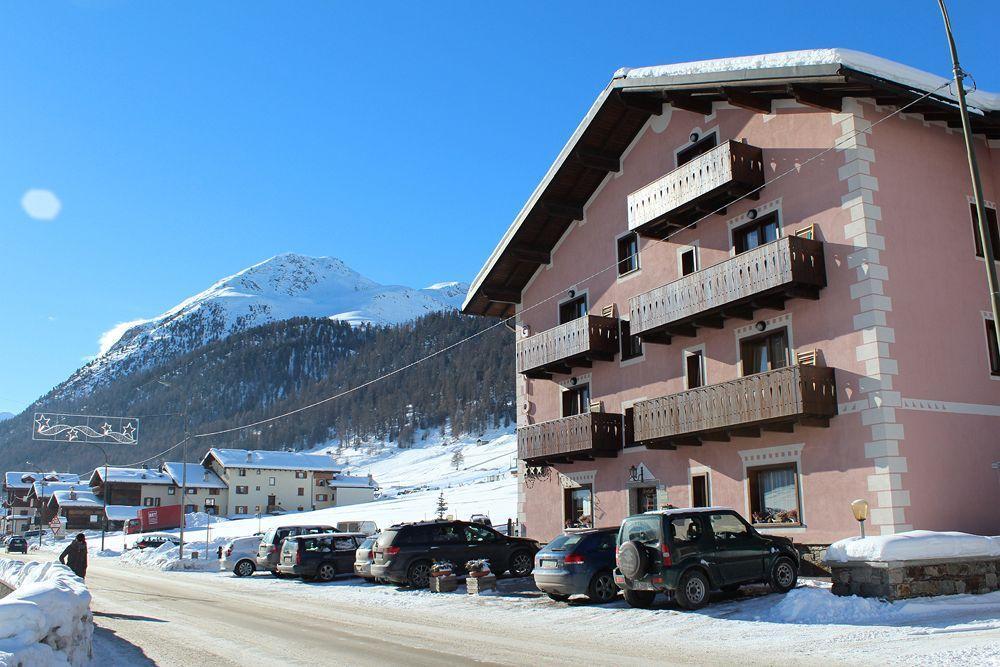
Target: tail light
391,551
271,549
371,554
573,559
667,562
298,557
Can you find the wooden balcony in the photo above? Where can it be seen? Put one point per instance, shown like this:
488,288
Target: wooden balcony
764,277
577,438
575,344
771,401
703,185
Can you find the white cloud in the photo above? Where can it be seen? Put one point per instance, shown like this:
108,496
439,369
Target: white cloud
41,204
112,335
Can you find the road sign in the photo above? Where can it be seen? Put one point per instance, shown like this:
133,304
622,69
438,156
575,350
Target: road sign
93,429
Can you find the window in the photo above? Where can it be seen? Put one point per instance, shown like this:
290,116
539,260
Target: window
171,490
685,529
766,352
302,491
689,261
300,508
699,491
242,490
320,482
478,535
213,492
628,253
572,309
991,346
150,502
209,501
694,369
257,488
644,530
991,223
774,494
579,507
271,481
321,497
757,233
192,492
576,400
258,471
300,474
243,472
728,527
631,346
699,147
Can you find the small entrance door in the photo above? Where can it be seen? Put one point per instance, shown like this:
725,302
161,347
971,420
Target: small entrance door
644,499
272,501
699,491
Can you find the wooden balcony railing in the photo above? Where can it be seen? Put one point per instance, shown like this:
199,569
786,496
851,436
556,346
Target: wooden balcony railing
775,400
571,345
766,276
579,437
711,180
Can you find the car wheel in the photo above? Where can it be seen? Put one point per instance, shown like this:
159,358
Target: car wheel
557,597
692,591
326,572
784,575
602,588
521,564
640,599
419,574
244,568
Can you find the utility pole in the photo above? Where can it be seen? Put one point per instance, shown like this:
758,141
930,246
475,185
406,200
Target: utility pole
184,471
107,490
977,187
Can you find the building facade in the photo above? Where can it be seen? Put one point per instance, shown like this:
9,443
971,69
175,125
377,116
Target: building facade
261,481
20,502
134,487
715,309
205,492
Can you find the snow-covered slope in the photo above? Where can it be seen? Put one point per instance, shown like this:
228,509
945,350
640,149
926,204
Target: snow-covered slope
5,415
279,288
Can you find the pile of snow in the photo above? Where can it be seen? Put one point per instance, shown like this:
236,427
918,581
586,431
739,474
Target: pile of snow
46,619
914,545
201,519
167,557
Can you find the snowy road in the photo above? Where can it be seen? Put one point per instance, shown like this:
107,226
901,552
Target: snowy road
178,618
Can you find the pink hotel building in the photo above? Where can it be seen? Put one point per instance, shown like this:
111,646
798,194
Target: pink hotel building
696,329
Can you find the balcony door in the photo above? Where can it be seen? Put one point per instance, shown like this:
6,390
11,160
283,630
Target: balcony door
576,400
572,309
757,233
766,352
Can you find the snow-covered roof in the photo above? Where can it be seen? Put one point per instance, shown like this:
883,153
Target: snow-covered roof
198,476
132,476
269,460
791,60
347,481
45,490
76,499
770,70
14,479
122,512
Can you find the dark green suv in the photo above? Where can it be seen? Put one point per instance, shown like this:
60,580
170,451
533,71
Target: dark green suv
690,552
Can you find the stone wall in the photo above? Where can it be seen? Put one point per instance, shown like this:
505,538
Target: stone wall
896,580
813,562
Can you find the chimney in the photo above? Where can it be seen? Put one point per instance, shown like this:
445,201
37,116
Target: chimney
249,456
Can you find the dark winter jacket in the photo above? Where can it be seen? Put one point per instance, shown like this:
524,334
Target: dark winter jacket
75,556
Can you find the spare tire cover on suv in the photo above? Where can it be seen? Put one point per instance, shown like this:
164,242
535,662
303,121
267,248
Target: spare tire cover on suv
633,560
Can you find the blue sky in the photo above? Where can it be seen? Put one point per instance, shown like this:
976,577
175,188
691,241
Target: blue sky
187,141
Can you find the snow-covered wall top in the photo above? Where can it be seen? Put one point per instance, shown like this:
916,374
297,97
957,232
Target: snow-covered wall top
914,545
46,620
856,60
258,458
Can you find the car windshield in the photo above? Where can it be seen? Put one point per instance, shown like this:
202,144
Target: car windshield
642,529
368,543
386,538
564,542
269,536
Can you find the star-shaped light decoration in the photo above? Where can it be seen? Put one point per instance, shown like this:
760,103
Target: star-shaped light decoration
128,428
105,428
41,422
71,435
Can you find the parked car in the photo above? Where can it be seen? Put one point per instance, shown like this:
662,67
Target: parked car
320,556
404,553
366,527
481,519
154,540
363,558
28,534
17,544
239,556
578,562
687,553
269,549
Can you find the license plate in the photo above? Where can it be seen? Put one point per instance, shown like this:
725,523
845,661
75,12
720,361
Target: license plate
550,563
642,586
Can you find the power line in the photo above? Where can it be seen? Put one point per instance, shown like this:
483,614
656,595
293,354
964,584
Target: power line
792,170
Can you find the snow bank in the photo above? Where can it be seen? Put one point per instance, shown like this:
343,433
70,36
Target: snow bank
167,557
46,619
914,545
201,519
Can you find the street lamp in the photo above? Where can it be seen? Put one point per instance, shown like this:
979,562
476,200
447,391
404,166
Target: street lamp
860,509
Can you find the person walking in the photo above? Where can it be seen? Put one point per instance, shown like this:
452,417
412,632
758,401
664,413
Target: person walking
75,556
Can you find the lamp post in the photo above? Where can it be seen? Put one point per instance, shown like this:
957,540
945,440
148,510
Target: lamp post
860,509
982,228
107,487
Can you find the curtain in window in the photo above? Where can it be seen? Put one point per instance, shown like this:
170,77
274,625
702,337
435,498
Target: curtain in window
777,488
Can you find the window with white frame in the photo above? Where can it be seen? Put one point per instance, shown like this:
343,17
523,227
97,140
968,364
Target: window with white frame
240,509
272,481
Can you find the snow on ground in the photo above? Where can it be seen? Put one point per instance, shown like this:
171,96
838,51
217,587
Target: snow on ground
914,545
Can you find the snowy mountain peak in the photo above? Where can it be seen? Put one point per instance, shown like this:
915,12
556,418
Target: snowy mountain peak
283,287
